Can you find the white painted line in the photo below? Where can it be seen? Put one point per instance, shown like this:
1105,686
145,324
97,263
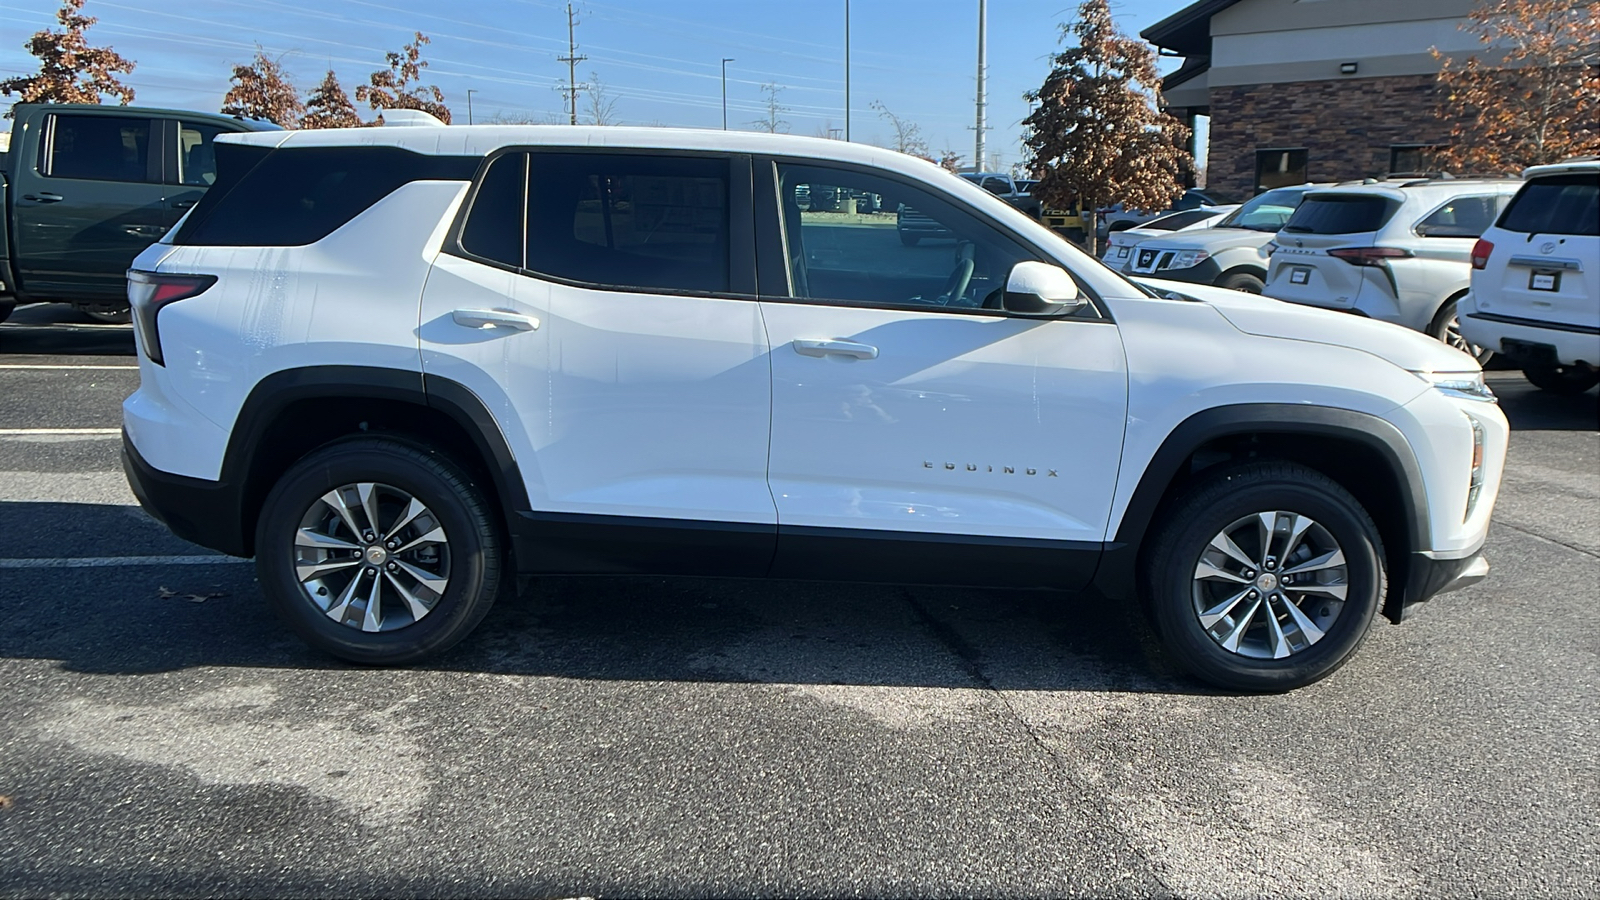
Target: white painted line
101,562
97,432
43,366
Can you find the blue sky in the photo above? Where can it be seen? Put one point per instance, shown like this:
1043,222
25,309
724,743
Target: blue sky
658,60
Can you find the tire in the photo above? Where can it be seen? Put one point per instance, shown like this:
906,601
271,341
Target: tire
1187,542
301,532
1563,380
108,313
910,240
6,308
1242,281
1446,328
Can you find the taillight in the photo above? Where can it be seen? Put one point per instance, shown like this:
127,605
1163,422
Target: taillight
1369,256
148,292
1480,253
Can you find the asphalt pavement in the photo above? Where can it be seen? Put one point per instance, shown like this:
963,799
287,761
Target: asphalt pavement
162,734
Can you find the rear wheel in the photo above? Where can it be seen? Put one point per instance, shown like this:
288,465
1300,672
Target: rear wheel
378,552
1264,577
1565,380
1446,327
6,307
108,313
910,240
1243,281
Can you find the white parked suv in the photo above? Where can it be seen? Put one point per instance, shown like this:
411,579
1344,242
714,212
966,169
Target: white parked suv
1232,253
1398,251
1536,279
396,365
1119,247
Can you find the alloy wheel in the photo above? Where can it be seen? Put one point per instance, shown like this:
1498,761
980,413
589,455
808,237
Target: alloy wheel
1270,585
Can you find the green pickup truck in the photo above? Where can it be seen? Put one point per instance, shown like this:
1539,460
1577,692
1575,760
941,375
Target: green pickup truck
85,188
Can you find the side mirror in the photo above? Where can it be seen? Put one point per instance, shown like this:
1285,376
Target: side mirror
1040,289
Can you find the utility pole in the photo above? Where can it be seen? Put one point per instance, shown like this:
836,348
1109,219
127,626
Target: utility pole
725,61
847,71
572,59
470,92
983,86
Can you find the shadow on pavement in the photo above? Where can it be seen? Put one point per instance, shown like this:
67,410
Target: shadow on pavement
55,329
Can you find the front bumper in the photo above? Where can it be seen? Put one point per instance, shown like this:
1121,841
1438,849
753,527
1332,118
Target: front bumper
202,512
1207,272
1428,577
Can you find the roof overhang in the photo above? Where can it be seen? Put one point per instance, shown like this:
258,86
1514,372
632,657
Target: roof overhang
1187,31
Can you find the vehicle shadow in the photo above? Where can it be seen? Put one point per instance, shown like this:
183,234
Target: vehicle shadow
55,329
1528,408
142,619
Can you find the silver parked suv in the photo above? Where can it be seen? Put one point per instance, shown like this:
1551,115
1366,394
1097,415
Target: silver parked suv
1398,251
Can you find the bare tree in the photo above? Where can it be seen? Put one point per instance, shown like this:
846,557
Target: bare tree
394,88
261,90
907,134
602,106
774,122
329,106
70,71
1537,97
1097,135
950,159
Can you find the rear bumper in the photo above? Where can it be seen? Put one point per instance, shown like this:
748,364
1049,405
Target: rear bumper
1572,344
199,511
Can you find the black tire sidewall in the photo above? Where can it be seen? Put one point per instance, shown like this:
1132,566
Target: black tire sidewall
1170,594
1243,281
474,549
1560,380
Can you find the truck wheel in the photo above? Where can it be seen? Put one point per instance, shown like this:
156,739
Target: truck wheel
1243,281
378,552
1263,577
108,313
1446,327
6,307
910,240
1563,380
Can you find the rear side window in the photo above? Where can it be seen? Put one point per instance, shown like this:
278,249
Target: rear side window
1465,217
1558,204
294,197
1340,214
621,221
1178,220
99,148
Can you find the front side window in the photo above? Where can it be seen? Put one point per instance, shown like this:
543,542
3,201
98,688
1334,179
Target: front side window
99,148
197,158
897,246
1462,217
627,221
494,226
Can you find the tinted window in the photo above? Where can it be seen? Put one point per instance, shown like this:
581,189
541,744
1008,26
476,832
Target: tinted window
1340,214
299,196
1558,204
996,185
197,158
494,224
1267,212
1178,220
102,148
629,221
909,248
1465,217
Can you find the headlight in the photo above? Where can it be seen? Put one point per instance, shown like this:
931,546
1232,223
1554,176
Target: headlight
1462,385
1187,258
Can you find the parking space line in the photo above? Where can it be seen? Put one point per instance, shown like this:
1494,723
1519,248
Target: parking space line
102,562
43,366
80,432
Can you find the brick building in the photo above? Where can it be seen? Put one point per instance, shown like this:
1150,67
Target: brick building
1311,90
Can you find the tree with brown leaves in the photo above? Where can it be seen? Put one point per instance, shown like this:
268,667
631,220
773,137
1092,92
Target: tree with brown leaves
1098,136
1536,99
394,88
262,90
329,106
71,71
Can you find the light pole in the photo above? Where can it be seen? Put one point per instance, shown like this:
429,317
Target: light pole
470,92
725,61
847,71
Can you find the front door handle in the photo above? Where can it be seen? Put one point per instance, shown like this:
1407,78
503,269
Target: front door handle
44,197
491,318
850,349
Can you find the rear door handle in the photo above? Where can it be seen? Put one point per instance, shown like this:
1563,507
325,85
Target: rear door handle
44,197
491,318
850,349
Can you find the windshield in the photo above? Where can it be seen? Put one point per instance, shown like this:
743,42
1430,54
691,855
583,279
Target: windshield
1267,212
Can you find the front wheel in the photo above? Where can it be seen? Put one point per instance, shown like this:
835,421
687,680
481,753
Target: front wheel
1243,281
378,552
1563,380
1264,577
910,240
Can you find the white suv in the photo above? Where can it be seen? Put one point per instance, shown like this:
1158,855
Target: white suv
1397,251
1536,279
396,365
1231,253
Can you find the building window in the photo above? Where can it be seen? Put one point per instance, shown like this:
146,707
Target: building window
1280,168
1413,159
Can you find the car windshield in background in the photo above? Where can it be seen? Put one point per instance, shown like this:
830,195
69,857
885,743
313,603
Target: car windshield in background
1267,212
1340,214
1560,204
